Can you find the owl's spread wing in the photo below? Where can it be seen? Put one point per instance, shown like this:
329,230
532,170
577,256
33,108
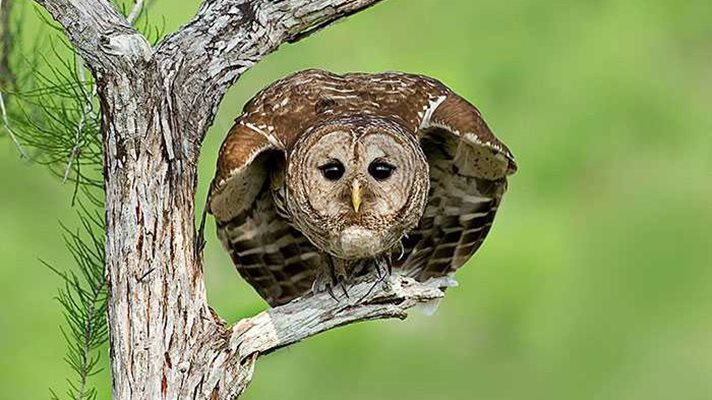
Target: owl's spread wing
458,216
277,260
468,177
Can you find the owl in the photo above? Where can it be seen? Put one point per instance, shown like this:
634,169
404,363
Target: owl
327,177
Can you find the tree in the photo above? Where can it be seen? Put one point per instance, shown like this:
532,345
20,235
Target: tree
156,104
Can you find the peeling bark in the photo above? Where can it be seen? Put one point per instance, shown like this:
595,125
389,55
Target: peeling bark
166,342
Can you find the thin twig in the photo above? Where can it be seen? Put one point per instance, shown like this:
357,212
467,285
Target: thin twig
84,301
6,124
87,110
135,11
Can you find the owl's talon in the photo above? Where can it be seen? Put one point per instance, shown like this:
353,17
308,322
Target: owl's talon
330,290
321,286
381,272
326,281
379,281
383,269
344,289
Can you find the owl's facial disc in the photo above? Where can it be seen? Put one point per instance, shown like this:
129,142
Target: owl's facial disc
355,190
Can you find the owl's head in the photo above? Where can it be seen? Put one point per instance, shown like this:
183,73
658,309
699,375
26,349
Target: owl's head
356,185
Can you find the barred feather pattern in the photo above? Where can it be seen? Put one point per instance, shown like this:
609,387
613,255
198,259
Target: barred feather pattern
457,219
273,257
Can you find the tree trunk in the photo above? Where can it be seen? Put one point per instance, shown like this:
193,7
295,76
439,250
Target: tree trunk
166,342
155,276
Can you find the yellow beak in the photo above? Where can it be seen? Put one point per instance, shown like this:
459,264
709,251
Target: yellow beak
356,195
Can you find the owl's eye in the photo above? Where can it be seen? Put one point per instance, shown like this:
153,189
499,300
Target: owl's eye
332,171
380,170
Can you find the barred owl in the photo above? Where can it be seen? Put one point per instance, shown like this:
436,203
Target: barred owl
325,177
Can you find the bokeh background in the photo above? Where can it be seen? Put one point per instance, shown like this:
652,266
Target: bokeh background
596,281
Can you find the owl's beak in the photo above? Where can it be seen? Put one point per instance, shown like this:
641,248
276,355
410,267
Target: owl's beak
356,195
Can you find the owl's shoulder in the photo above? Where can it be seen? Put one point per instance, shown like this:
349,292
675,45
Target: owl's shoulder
289,107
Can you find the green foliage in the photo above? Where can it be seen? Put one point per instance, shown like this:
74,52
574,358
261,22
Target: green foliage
56,116
83,300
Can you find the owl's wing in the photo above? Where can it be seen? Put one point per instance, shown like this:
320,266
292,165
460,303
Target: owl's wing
245,198
468,177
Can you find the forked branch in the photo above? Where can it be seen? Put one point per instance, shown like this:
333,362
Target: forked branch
101,35
157,105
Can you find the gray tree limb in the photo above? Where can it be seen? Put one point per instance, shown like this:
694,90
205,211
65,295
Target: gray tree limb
306,317
100,34
157,104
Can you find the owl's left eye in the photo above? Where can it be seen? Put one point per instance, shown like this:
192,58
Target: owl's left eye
332,171
381,170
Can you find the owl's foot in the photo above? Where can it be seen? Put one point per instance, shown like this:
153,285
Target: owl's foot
383,268
382,271
326,283
327,279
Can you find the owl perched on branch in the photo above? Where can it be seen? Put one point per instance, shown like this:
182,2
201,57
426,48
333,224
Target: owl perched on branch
327,177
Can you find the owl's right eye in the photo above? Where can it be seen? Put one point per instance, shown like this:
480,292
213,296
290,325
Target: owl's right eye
332,171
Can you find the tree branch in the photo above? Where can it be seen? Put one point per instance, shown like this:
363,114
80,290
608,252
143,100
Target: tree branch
306,317
135,11
227,37
101,35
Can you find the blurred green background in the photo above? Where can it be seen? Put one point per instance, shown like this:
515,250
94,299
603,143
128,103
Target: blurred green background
596,281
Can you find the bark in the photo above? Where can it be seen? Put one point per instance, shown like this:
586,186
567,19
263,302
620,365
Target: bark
166,342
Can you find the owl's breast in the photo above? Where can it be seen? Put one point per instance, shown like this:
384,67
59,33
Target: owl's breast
359,242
